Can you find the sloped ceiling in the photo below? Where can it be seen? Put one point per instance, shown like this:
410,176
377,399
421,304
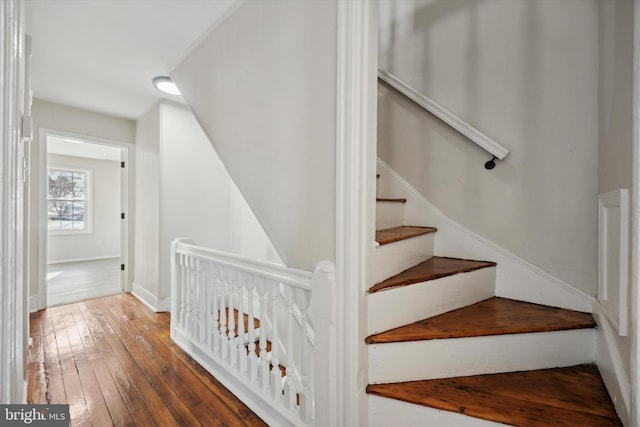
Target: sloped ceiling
101,55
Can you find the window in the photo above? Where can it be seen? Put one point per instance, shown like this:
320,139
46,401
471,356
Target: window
68,201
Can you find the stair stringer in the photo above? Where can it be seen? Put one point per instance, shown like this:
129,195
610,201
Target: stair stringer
611,367
516,278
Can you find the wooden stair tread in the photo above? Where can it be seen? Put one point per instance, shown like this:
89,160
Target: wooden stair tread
390,199
431,269
395,234
574,396
493,316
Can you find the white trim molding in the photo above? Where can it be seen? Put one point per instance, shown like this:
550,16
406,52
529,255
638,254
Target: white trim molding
150,300
611,366
488,144
357,64
635,225
613,258
127,195
14,319
95,258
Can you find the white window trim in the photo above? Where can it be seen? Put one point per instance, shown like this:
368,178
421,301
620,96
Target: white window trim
88,215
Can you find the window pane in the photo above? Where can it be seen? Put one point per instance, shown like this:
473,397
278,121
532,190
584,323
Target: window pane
67,209
78,215
66,185
54,184
79,185
53,216
67,215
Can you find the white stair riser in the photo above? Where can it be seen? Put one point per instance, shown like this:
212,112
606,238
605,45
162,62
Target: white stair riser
385,412
394,258
389,215
402,305
446,358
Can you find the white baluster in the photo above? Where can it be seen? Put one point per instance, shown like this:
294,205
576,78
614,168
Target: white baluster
215,316
231,319
208,290
204,311
222,310
240,340
183,291
290,386
189,325
193,302
263,364
306,397
253,357
276,374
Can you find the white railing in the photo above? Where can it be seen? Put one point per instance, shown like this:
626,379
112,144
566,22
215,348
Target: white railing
491,146
249,323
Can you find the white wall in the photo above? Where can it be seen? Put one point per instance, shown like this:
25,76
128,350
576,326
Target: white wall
615,94
183,190
262,85
104,240
194,188
246,235
524,73
147,204
49,115
615,120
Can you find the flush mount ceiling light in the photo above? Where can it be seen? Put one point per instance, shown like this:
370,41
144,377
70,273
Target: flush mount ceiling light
166,85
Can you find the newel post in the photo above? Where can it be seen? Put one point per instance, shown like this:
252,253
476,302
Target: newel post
324,321
176,281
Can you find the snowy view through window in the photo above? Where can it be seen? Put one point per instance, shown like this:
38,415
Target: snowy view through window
67,200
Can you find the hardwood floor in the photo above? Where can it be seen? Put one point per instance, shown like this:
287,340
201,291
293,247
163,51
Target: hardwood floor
78,281
112,360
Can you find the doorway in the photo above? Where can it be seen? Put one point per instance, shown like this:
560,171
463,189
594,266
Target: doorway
84,204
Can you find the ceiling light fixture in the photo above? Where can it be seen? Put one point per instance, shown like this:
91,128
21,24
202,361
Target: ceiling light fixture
166,85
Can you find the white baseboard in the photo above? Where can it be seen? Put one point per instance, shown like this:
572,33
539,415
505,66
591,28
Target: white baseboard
150,300
34,303
612,367
515,278
96,258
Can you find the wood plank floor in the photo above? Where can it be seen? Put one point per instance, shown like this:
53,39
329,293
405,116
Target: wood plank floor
112,360
559,397
71,282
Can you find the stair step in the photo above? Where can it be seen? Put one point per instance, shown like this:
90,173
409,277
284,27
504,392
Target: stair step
390,235
401,248
404,305
431,269
493,316
572,396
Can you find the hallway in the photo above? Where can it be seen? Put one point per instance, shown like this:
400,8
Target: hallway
112,360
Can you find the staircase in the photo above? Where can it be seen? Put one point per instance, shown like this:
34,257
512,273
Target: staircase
444,350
